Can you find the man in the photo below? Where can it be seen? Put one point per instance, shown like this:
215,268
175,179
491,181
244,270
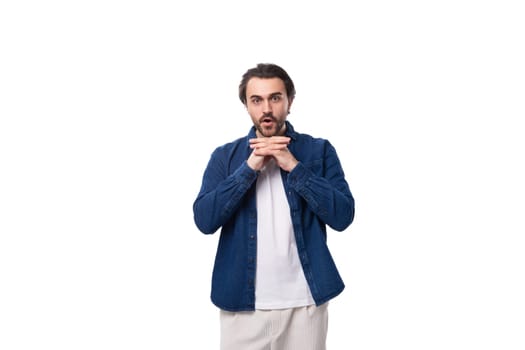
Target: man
272,193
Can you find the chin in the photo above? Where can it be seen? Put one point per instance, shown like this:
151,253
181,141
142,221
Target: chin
267,132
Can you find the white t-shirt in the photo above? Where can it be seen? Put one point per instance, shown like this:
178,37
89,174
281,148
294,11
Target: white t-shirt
280,281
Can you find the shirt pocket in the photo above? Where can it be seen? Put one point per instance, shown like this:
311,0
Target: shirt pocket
315,166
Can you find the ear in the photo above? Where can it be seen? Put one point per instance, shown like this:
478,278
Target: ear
290,101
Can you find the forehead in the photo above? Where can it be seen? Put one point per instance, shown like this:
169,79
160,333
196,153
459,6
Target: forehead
264,86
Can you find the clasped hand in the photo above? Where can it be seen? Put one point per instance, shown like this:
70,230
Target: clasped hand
266,148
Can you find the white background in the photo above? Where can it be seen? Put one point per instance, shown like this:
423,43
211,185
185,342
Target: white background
110,110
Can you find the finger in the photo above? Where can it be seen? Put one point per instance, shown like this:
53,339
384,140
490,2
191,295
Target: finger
280,138
273,139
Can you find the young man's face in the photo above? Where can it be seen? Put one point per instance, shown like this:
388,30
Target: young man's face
268,105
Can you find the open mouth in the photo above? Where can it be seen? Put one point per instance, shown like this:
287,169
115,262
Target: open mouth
267,121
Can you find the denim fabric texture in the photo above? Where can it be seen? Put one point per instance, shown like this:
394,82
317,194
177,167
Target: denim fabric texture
318,195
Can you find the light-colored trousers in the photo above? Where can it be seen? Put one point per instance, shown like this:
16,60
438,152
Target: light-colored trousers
302,328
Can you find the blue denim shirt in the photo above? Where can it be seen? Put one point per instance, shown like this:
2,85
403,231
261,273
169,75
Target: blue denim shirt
318,195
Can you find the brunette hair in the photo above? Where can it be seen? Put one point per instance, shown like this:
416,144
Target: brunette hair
266,71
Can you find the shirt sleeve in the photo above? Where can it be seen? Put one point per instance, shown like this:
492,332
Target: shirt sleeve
221,193
326,192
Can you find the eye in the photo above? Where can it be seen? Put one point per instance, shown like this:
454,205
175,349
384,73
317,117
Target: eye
256,100
276,98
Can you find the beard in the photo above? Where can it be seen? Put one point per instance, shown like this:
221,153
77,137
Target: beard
275,129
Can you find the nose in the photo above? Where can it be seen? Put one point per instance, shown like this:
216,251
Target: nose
267,106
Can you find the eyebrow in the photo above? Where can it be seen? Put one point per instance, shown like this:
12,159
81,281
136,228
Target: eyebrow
271,95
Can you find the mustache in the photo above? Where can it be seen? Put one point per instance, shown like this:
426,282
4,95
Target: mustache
266,116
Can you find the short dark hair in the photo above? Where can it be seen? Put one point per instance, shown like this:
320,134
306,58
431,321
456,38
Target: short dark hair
267,71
